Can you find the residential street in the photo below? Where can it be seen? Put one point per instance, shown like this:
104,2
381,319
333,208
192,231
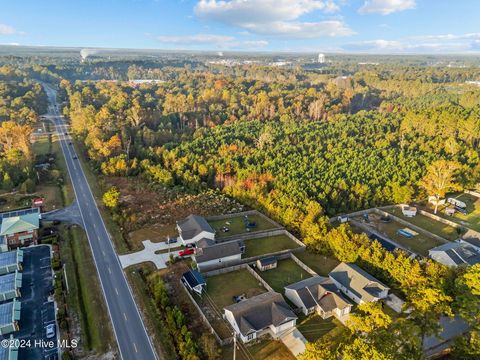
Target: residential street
132,338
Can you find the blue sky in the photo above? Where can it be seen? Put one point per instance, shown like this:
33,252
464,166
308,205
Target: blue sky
376,26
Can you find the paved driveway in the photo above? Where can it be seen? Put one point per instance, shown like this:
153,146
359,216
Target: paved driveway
294,341
148,255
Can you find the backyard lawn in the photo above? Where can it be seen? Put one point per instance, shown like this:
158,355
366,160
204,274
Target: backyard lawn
435,227
321,264
472,219
267,245
236,225
287,272
314,327
265,349
222,288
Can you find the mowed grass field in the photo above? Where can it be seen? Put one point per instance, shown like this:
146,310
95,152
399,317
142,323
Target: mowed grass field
472,219
287,272
236,225
419,244
314,327
321,264
435,227
222,288
268,245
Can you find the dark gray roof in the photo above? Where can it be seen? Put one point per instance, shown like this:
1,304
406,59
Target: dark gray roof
472,237
319,290
261,311
268,261
193,225
455,253
204,242
218,251
358,281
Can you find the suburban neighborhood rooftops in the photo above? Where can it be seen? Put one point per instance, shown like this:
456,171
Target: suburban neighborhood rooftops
455,253
358,281
218,251
318,290
194,278
9,282
472,237
204,242
268,261
11,258
193,225
261,311
15,222
9,312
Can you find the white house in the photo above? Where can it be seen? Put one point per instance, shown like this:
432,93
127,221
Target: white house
193,228
318,294
357,284
267,313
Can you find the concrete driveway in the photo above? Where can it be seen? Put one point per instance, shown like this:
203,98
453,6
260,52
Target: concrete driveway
294,341
148,255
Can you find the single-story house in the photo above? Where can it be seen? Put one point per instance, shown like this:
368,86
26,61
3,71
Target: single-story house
267,263
455,254
9,317
10,285
318,294
357,284
19,228
194,281
11,261
409,211
212,255
194,228
267,313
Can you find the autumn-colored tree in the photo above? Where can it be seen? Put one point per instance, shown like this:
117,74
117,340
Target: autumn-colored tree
111,198
440,179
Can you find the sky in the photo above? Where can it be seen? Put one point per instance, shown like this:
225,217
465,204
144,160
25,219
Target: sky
357,26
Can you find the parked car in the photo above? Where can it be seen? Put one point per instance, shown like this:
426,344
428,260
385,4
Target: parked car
171,241
75,157
50,330
193,246
186,252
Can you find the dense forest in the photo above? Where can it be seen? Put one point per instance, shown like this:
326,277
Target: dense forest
299,145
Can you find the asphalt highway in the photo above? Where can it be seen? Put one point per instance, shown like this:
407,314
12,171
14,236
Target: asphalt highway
131,335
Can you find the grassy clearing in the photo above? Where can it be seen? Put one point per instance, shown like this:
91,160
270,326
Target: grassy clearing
267,245
472,219
84,295
265,349
236,225
222,288
321,264
313,327
435,227
287,272
419,244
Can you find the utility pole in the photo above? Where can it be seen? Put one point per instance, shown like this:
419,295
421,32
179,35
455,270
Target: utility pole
234,346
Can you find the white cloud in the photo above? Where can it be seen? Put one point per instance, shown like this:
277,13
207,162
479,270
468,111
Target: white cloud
218,41
274,17
386,7
7,30
447,43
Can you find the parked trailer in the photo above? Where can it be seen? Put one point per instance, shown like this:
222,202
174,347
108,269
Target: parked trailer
457,203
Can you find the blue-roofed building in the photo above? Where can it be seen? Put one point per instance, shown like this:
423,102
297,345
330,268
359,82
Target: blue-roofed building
9,317
10,285
11,261
194,281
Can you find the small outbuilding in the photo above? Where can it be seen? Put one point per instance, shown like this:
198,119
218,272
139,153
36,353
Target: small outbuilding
194,281
267,263
409,211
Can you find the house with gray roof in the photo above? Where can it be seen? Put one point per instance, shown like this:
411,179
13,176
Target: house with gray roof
318,294
193,228
455,254
357,284
209,255
267,313
472,238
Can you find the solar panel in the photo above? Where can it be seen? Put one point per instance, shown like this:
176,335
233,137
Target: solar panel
6,313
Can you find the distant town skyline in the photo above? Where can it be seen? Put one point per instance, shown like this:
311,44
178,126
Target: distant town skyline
352,26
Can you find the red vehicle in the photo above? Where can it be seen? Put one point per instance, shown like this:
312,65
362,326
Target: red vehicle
186,252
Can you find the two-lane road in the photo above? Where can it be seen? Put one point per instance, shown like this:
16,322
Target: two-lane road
132,338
